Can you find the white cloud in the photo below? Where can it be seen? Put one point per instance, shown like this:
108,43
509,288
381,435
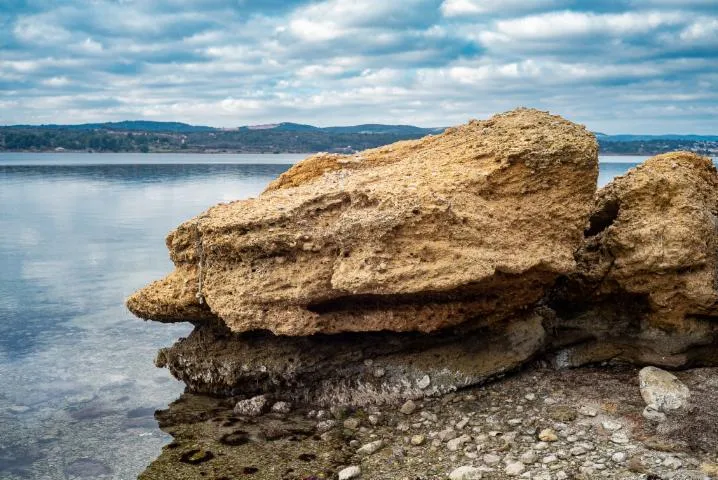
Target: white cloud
39,31
556,25
703,30
56,82
461,8
315,31
313,71
91,46
428,62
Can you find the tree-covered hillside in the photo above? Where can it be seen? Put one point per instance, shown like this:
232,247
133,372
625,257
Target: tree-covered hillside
278,138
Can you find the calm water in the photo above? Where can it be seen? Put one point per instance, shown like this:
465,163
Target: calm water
78,234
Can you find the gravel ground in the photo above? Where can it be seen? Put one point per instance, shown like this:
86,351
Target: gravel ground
539,423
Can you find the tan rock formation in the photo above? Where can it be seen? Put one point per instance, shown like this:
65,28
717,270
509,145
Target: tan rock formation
473,224
646,287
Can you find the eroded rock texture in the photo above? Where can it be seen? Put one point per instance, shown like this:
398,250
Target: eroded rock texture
350,368
646,286
429,265
473,224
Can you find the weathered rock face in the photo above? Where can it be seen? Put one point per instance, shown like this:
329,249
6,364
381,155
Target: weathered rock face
351,368
646,286
424,266
471,225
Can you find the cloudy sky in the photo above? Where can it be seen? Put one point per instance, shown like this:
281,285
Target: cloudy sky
631,66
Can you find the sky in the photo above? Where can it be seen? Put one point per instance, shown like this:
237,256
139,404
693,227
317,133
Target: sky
621,66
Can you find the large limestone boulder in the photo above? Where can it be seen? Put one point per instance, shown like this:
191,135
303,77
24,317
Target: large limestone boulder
472,225
646,287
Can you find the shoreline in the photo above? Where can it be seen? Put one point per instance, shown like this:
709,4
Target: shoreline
536,422
204,152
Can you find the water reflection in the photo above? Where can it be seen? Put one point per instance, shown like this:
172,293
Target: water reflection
143,173
79,387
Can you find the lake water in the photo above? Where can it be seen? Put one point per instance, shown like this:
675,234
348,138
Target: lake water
78,234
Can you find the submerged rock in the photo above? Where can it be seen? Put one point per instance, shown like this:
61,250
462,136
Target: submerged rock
252,407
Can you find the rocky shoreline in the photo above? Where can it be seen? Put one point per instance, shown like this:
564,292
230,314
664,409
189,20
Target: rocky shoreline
431,266
539,423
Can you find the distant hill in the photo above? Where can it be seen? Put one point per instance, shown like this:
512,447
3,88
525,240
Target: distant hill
283,127
283,137
124,126
369,128
378,128
648,138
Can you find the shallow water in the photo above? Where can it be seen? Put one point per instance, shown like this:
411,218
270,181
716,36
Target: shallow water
78,233
79,388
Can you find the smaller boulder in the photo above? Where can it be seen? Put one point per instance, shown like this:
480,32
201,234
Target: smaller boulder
282,407
408,408
371,447
662,390
547,435
652,415
465,473
514,469
252,407
349,473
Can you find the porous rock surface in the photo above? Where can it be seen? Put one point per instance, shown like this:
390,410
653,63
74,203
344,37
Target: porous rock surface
350,368
646,286
414,269
473,224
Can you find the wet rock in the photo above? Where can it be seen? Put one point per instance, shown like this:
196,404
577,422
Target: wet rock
235,438
252,407
282,407
196,456
662,390
87,468
329,369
